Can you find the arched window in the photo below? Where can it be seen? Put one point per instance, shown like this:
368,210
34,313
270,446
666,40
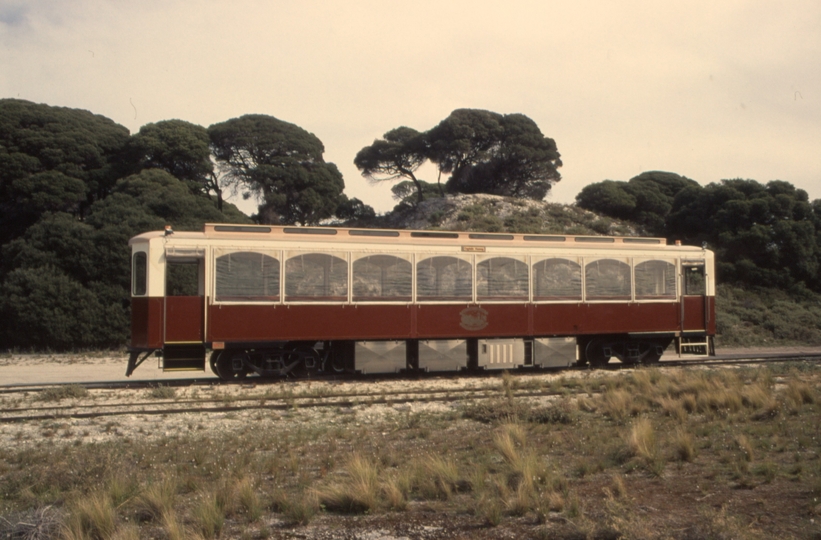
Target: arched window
316,277
501,278
655,279
607,279
557,279
444,278
382,278
246,276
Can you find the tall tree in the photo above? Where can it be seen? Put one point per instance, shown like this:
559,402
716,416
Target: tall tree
65,283
180,148
282,164
645,199
486,152
53,159
763,234
397,155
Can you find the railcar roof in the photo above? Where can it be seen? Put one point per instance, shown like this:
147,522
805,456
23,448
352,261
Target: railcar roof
404,236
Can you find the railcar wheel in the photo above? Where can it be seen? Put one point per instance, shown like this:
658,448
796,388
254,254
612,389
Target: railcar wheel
231,365
213,362
652,355
308,361
597,353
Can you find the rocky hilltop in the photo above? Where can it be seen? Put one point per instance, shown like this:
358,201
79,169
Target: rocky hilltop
493,213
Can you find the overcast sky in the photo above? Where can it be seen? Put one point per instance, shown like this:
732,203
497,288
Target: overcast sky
710,90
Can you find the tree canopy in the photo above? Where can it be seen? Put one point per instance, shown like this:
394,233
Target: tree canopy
53,159
179,148
74,187
486,152
282,164
397,155
481,151
764,234
645,199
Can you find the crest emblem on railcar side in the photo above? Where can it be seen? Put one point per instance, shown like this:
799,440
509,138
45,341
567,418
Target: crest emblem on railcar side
473,318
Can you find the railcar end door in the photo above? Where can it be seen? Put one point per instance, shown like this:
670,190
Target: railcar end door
184,301
694,296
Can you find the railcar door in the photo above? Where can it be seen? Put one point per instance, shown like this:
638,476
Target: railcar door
184,311
694,312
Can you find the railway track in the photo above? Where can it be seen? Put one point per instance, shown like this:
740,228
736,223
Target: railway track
105,399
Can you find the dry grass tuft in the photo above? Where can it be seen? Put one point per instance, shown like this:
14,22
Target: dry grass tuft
619,404
617,486
799,393
247,498
92,516
683,445
641,443
173,528
746,447
642,439
208,514
674,408
58,393
357,492
436,477
157,499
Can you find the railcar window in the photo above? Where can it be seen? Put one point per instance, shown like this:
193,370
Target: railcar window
501,278
316,277
247,277
444,278
655,279
607,279
557,279
182,278
694,282
139,274
382,278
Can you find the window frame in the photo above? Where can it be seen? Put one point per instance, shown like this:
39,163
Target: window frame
144,256
219,252
421,257
355,256
345,256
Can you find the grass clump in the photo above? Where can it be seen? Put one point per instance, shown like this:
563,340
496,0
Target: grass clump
58,393
91,516
157,499
642,444
357,492
162,392
209,514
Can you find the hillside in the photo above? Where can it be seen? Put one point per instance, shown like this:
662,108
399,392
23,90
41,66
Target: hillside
493,213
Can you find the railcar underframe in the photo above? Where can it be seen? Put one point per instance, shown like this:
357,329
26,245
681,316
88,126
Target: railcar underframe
301,338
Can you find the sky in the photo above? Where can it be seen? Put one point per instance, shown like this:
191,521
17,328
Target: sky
709,90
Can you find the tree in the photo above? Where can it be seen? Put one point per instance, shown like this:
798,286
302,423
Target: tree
180,148
645,199
65,283
280,162
763,234
398,154
353,210
406,191
486,152
482,151
53,159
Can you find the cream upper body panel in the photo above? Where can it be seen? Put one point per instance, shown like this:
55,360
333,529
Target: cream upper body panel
290,241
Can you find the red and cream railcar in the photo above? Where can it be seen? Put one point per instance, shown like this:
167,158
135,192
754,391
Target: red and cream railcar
279,301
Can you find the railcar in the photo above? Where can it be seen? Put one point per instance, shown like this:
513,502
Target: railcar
295,301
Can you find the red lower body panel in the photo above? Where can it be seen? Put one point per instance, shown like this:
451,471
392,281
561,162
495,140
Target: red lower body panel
146,322
428,321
